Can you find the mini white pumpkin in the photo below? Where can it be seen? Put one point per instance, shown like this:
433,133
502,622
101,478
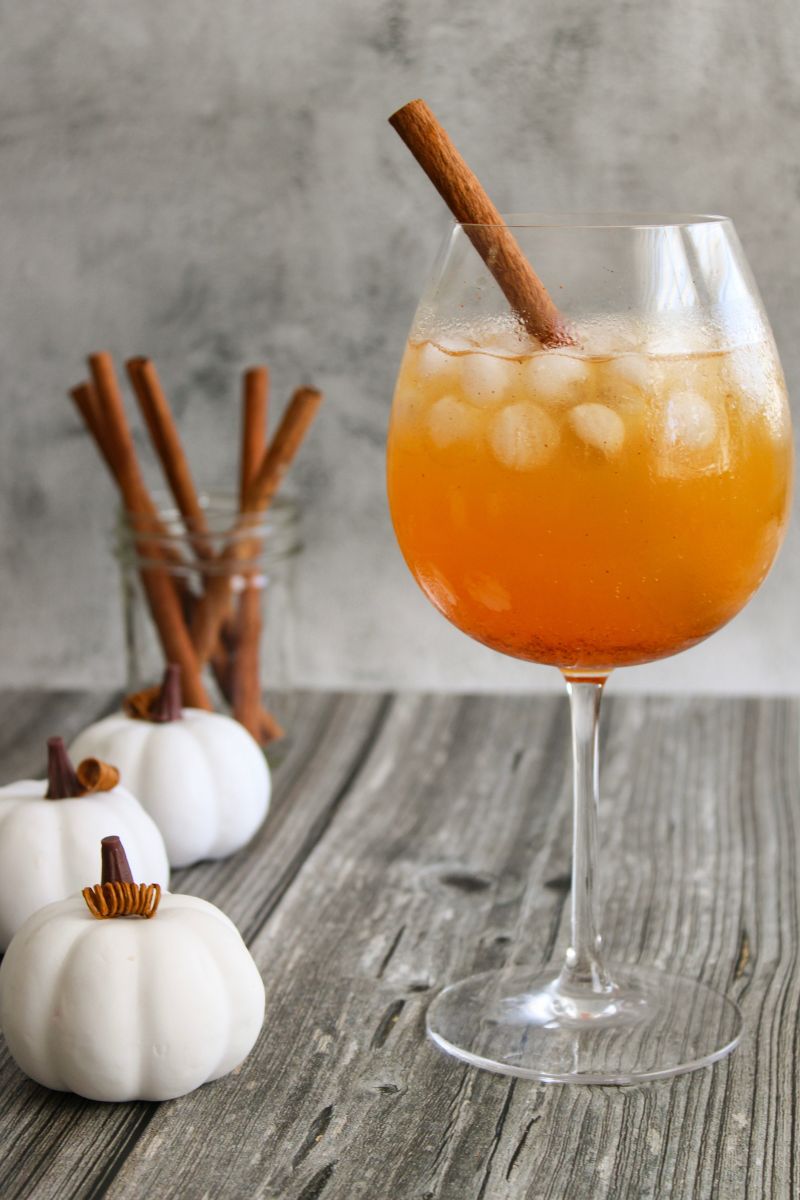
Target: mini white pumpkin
200,775
129,1009
49,832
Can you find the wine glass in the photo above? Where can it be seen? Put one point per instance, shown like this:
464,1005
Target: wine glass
592,505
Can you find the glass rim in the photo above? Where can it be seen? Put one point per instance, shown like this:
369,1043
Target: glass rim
599,220
167,523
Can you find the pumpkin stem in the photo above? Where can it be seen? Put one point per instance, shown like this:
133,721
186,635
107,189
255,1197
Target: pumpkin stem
62,782
157,704
118,895
115,865
167,706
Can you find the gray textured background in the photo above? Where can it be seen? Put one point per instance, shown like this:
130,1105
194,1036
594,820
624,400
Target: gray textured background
213,184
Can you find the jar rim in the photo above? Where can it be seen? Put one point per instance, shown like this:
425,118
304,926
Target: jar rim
231,543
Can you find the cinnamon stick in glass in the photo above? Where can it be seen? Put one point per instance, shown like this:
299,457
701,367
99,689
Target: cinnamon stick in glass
166,440
247,706
158,416
277,459
464,195
104,412
255,402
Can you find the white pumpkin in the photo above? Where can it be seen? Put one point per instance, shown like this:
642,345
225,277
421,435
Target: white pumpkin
48,847
200,775
129,1009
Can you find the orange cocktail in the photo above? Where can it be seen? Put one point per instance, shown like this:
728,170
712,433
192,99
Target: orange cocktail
588,510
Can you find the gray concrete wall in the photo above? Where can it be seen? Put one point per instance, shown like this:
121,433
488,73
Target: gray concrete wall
214,184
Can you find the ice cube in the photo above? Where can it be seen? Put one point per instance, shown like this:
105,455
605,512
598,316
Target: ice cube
598,426
451,421
555,377
756,377
694,438
486,379
524,436
631,371
432,361
453,343
753,371
675,338
689,421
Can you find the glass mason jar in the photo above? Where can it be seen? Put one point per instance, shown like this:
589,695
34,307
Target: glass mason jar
254,556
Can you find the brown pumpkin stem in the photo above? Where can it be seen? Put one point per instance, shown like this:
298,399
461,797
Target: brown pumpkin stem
62,782
168,705
94,775
157,704
115,865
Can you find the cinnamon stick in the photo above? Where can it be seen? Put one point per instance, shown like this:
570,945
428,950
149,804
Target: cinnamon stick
246,674
293,427
246,681
87,403
85,399
255,400
247,706
168,446
167,443
111,412
462,192
161,594
276,461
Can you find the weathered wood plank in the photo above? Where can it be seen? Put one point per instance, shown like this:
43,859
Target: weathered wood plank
54,1145
397,859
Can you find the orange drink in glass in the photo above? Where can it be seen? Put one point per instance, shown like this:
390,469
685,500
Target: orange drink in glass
588,510
605,496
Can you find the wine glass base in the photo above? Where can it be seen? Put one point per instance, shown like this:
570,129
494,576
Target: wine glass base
649,1026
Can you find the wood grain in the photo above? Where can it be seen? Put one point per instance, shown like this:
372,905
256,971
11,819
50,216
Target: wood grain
403,834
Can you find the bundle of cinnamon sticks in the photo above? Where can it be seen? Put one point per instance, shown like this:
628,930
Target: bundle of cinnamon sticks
198,628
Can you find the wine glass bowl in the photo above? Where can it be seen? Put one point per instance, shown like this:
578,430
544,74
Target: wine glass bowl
606,503
595,504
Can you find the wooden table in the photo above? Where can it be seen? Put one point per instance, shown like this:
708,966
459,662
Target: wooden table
402,838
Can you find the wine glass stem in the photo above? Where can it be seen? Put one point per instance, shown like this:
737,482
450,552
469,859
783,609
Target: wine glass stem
584,970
